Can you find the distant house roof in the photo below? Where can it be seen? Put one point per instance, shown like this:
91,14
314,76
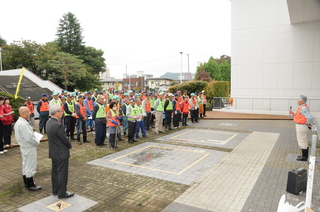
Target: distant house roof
110,79
160,78
31,84
176,76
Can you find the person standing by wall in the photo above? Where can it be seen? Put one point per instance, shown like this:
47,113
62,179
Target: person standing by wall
30,105
25,137
303,120
43,110
59,152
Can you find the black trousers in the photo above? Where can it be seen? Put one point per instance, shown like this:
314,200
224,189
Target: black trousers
153,117
131,129
101,130
168,117
70,121
1,136
59,176
204,109
176,119
184,119
197,115
147,120
193,115
7,131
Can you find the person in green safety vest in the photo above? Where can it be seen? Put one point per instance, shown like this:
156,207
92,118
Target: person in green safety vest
99,116
152,101
70,116
133,116
159,109
140,121
124,106
168,107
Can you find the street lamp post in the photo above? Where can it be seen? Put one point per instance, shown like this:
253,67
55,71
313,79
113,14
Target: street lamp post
181,68
189,78
0,59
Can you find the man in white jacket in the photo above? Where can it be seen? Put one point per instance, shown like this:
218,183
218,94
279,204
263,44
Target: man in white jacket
28,147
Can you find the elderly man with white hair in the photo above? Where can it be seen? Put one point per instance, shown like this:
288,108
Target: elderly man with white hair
28,147
159,108
303,120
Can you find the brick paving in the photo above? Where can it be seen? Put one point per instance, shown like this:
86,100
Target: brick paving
258,189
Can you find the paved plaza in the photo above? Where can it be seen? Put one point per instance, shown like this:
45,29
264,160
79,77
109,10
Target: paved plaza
214,165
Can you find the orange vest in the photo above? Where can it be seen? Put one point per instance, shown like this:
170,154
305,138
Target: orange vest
44,106
194,103
185,108
30,106
90,105
180,99
62,107
82,110
114,118
177,105
204,99
148,108
299,118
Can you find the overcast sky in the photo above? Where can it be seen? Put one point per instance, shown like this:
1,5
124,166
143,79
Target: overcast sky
146,35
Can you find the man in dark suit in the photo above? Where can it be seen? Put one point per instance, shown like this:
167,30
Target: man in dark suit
59,152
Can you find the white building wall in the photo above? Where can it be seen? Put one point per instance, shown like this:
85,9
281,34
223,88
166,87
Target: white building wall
271,58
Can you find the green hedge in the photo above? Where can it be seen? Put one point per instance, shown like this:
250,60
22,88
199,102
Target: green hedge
212,89
193,86
15,103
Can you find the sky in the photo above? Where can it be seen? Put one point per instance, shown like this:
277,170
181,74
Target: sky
142,35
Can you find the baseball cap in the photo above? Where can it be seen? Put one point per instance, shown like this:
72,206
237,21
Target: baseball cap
89,92
28,98
44,95
55,93
81,96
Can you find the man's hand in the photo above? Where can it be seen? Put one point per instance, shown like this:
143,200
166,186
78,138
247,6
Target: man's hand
291,112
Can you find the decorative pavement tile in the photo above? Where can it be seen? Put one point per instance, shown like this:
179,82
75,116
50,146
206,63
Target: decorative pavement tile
162,161
225,139
52,203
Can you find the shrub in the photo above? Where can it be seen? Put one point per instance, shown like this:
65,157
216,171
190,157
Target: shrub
15,103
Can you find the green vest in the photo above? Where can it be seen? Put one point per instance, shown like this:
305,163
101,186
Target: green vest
152,100
169,106
70,107
110,96
56,102
101,113
160,106
133,112
140,109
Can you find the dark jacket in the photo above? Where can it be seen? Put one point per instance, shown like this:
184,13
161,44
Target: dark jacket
59,144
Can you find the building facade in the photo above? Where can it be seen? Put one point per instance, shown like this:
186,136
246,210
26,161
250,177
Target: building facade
156,84
112,82
275,52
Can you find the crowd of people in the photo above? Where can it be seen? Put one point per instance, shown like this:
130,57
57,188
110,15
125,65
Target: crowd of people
119,114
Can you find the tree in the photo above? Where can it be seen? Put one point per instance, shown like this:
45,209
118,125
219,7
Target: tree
211,67
94,60
2,41
68,68
203,75
69,34
225,69
21,54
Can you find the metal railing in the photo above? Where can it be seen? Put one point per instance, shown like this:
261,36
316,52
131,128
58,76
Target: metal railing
268,104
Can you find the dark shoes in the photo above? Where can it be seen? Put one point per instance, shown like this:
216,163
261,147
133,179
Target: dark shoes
121,139
67,195
30,185
131,141
304,156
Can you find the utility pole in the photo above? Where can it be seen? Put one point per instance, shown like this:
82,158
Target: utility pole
188,64
128,78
